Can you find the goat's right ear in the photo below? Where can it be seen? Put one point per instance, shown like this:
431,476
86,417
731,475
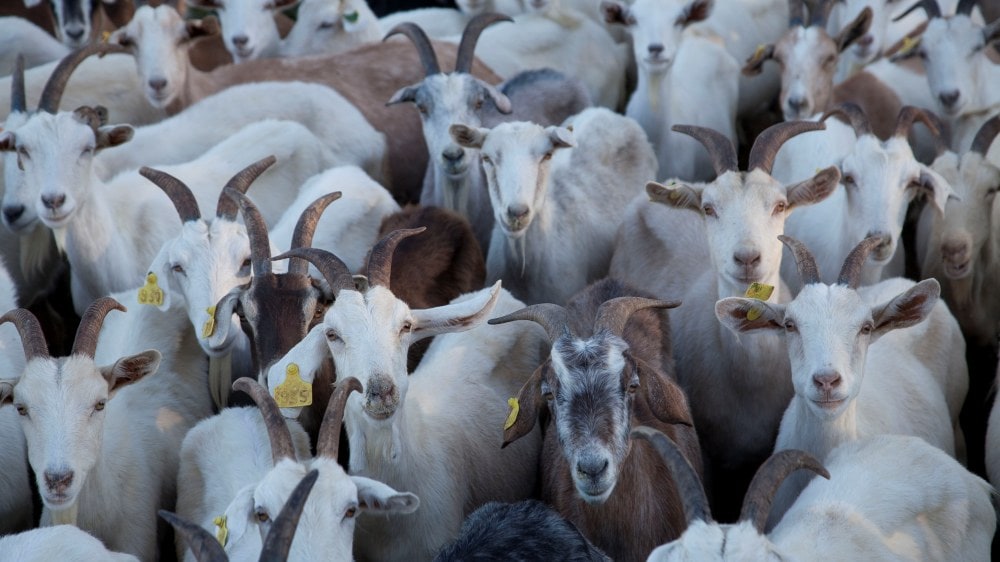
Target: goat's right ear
377,498
128,370
854,30
113,136
468,137
742,315
405,94
165,281
6,393
617,12
755,64
527,408
7,141
204,27
676,195
814,189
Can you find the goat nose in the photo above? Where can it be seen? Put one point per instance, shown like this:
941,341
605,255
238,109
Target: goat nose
797,104
517,212
656,49
949,99
13,212
75,34
592,466
747,258
53,202
157,83
240,40
453,154
826,380
865,40
58,481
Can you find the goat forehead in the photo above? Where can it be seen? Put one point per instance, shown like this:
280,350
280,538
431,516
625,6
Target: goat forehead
378,307
44,131
657,13
69,378
820,305
583,364
514,138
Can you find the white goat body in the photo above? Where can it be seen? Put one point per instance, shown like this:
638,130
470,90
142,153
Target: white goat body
66,543
325,27
993,441
19,36
15,492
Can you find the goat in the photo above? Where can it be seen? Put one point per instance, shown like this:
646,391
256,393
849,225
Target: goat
888,497
837,333
253,28
738,389
402,427
16,509
325,27
19,36
993,441
609,368
669,58
544,246
61,542
455,179
79,22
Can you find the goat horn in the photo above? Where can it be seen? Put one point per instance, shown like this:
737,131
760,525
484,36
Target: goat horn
260,244
178,192
380,260
804,260
985,135
277,430
796,13
85,342
226,208
909,114
54,87
336,273
817,14
305,227
552,317
719,147
965,7
686,480
328,441
854,115
32,338
18,99
929,6
770,475
470,36
850,273
205,547
613,314
769,142
278,543
419,39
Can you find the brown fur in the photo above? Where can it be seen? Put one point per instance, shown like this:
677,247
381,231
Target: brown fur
877,100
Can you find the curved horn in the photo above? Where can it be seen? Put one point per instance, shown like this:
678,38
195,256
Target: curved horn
277,431
470,36
421,42
804,260
32,338
85,342
817,14
552,317
205,547
985,135
278,543
929,6
53,91
328,441
178,192
965,7
850,273
719,147
226,208
336,273
908,114
686,480
18,99
796,13
770,475
260,244
767,144
614,313
380,260
305,227
854,115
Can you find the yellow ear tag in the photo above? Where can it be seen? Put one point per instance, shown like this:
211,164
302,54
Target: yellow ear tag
209,328
104,36
151,293
294,392
759,291
675,194
512,416
909,43
222,533
759,51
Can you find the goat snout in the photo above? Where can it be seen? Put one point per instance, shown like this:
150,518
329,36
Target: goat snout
240,40
53,202
949,99
798,105
382,397
453,155
592,466
656,49
13,212
157,84
956,259
74,33
58,482
884,249
826,381
517,216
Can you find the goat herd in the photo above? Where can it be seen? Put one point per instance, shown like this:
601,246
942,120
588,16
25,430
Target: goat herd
702,306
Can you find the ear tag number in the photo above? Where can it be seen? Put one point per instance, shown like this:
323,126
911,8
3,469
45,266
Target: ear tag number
512,416
151,293
222,532
209,328
294,392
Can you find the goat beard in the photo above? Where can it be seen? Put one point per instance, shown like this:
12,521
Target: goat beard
518,247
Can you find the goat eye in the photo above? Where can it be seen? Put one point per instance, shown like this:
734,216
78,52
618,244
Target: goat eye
125,41
486,160
848,179
780,208
790,326
87,150
177,268
407,326
100,405
261,514
326,25
867,328
332,335
708,210
633,386
245,264
547,156
351,512
22,409
23,152
422,108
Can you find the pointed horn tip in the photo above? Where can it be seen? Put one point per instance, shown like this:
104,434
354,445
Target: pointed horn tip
243,384
293,253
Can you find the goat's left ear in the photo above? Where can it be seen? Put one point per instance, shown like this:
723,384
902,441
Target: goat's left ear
906,309
676,195
204,27
528,407
743,315
113,136
128,370
814,189
7,141
854,30
404,94
378,498
755,64
561,137
666,400
455,317
936,186
616,12
695,11
6,393
501,101
469,137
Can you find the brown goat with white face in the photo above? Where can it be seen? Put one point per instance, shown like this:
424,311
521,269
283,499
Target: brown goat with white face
602,377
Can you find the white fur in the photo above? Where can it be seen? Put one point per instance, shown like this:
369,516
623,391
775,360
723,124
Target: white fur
62,542
15,494
252,20
20,36
993,442
323,27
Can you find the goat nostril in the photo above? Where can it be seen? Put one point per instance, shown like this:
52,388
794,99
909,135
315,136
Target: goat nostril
453,155
58,480
75,34
796,104
13,212
53,202
656,49
240,40
949,99
747,258
827,381
517,212
592,467
158,83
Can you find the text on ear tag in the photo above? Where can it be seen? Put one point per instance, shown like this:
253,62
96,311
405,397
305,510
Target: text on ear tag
294,392
151,293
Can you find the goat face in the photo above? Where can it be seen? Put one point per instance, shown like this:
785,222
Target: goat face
712,542
953,50
808,59
248,27
870,42
970,221
73,20
656,27
327,28
19,214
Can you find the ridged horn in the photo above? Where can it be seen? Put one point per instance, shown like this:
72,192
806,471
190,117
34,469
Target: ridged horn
552,317
277,431
203,545
804,260
850,273
769,142
328,441
380,260
986,134
305,227
336,273
719,147
854,115
85,342
32,337
18,99
930,7
614,313
260,244
796,13
226,208
278,543
470,36
419,39
817,14
686,480
178,192
56,84
770,475
909,114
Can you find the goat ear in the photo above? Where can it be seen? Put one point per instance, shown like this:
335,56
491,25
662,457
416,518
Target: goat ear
665,399
561,137
455,317
501,101
906,309
676,195
991,32
204,27
468,137
237,515
755,64
284,4
695,11
6,393
936,186
617,12
854,30
814,189
742,315
128,370
7,141
528,406
113,136
377,498
404,94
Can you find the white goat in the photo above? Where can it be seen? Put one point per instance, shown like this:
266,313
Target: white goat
993,441
674,63
15,492
66,543
889,497
403,426
19,36
547,191
331,27
917,378
249,27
